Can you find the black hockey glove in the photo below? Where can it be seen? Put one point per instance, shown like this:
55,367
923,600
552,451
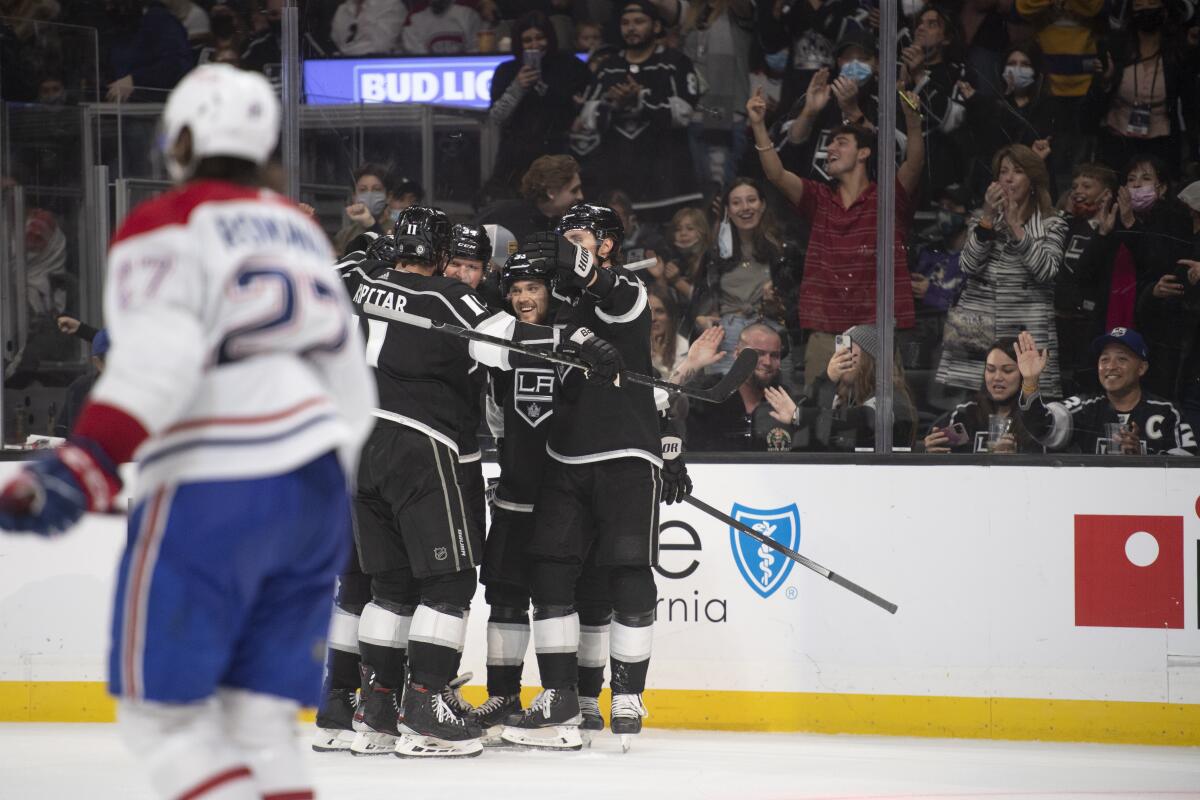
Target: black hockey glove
604,361
675,480
575,264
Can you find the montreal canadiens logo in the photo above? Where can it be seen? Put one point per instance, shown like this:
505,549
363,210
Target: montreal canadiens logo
763,568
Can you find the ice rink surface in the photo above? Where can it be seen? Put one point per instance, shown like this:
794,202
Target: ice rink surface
51,761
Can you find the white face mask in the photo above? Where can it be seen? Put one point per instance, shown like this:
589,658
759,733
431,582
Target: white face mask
1019,77
374,201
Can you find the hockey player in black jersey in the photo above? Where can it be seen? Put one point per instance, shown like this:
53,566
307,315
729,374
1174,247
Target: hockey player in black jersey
601,495
415,538
520,407
1148,424
470,252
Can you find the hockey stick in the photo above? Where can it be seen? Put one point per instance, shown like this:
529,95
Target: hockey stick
792,554
638,266
742,367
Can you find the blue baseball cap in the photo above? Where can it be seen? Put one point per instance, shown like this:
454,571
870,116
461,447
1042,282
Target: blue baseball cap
1125,336
100,343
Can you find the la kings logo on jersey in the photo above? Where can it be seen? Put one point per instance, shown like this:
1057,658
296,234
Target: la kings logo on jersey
533,393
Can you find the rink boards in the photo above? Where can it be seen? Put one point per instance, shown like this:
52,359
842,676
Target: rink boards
1035,603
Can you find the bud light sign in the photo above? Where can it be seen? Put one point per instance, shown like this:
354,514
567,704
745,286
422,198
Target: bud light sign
464,81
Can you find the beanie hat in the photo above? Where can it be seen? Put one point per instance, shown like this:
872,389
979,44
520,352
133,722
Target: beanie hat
867,339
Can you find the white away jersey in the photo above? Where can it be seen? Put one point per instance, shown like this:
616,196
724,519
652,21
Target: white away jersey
233,346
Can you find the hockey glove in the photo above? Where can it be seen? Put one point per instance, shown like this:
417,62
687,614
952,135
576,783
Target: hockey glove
604,361
576,265
675,480
51,494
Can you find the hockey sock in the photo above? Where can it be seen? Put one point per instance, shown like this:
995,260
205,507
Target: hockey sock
594,620
633,597
435,644
382,638
593,655
457,667
341,664
556,641
262,727
507,641
186,750
632,635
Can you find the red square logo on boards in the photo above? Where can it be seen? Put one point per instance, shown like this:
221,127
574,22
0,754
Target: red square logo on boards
1128,571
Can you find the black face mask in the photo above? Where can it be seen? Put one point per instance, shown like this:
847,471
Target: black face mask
1148,20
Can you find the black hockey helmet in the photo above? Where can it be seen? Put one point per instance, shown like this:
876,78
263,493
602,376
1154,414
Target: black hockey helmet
471,241
518,267
382,248
422,234
602,221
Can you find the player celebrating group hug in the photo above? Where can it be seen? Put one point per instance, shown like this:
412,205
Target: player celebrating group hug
238,384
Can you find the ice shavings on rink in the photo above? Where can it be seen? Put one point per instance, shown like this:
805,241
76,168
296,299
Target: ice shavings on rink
52,761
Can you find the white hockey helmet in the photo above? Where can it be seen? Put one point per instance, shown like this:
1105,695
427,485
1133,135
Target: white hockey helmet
230,112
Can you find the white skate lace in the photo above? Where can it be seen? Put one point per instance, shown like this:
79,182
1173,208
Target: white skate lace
452,694
589,705
541,704
444,713
494,703
454,698
627,705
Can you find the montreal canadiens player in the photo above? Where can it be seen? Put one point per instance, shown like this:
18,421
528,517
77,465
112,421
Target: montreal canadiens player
236,381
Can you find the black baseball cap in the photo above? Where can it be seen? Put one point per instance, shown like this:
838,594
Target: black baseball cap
644,6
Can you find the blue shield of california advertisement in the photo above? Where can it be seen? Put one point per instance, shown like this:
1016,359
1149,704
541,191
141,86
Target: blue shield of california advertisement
763,568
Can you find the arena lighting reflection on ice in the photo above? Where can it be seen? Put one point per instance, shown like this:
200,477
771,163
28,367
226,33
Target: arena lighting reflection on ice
463,81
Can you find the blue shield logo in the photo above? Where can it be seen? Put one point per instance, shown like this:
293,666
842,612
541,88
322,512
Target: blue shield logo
763,568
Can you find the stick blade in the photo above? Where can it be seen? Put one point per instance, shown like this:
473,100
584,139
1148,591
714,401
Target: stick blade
743,367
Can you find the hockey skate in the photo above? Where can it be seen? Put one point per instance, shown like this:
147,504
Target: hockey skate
626,720
335,721
491,716
551,722
589,710
433,729
381,709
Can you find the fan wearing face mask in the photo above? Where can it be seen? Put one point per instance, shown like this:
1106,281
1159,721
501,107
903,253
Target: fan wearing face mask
804,131
800,39
1144,76
1019,115
368,206
1157,230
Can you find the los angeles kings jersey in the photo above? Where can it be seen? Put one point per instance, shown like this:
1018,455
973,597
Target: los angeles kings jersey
520,410
423,376
1080,421
601,422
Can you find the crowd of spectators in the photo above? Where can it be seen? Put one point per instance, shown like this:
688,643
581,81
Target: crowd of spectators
1046,185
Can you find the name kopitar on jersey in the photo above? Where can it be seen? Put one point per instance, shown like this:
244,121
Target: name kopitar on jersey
380,297
253,230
